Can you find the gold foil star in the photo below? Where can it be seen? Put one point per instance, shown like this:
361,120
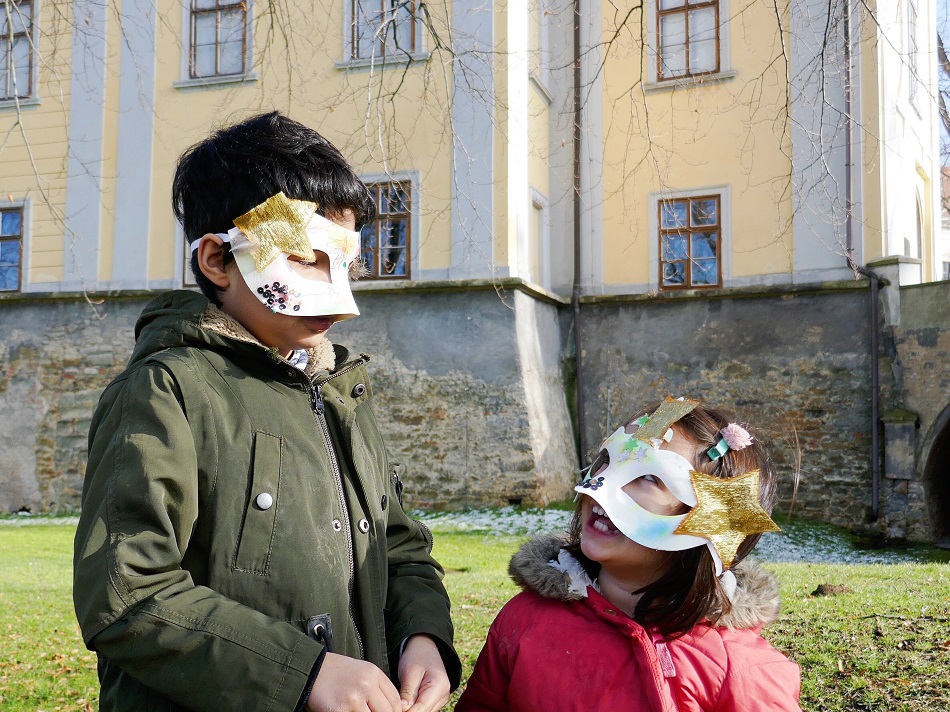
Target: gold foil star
663,417
277,225
726,512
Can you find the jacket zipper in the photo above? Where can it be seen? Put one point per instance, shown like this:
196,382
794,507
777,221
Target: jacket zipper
316,403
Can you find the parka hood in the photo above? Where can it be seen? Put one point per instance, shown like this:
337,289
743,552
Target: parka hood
543,566
184,318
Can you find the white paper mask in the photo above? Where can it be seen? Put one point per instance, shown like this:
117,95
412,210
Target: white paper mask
265,263
629,459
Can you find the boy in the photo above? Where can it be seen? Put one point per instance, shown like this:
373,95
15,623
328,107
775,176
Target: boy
242,543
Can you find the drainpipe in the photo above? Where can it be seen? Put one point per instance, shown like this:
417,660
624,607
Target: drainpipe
873,277
576,292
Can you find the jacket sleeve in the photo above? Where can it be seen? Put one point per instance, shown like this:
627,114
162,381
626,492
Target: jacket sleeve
487,688
416,600
136,605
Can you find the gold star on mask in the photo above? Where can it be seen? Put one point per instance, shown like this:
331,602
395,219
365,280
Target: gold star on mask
277,225
726,512
663,417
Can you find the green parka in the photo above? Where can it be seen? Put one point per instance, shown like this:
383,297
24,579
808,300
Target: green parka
230,500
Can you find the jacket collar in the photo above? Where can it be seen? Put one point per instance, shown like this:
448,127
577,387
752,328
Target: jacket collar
322,357
543,566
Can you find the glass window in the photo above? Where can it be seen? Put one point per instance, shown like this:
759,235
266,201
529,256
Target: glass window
383,28
16,49
11,243
218,38
690,243
385,243
687,38
912,51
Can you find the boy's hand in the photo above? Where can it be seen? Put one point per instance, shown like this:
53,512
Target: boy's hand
348,685
424,683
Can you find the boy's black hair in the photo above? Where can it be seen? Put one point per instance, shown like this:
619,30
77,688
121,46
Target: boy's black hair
241,166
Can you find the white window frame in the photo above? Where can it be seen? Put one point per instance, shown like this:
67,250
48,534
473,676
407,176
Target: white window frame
725,230
653,83
32,99
189,82
415,224
912,23
418,54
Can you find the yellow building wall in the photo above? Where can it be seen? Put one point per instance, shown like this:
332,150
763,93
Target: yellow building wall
33,153
384,121
727,133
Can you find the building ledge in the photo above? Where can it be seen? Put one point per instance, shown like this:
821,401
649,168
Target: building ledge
749,292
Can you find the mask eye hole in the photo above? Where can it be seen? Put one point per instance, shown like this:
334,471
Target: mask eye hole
599,464
317,270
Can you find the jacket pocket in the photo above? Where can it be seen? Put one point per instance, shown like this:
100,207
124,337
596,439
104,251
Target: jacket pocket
260,511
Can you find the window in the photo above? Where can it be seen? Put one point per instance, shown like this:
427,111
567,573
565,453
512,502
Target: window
912,52
218,38
946,270
382,28
11,241
384,243
690,243
16,49
687,38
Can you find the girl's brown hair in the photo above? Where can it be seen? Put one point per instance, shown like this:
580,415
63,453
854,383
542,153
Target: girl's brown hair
689,592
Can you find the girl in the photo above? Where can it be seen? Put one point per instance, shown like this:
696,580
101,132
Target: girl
648,604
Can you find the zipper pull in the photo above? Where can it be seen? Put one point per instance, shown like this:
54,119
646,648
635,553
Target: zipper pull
316,400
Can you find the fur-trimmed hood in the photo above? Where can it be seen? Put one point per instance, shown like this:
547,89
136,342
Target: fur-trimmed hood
184,318
543,566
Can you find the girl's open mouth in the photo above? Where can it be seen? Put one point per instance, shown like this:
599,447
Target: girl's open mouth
600,522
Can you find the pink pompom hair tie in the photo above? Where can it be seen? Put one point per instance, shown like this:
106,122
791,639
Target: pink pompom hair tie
734,437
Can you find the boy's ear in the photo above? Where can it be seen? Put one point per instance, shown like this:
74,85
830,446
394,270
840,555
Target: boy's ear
211,260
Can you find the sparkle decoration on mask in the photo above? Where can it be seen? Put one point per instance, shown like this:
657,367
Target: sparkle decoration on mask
279,224
279,297
660,420
726,512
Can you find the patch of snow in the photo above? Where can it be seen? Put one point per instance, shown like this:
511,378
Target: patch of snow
798,542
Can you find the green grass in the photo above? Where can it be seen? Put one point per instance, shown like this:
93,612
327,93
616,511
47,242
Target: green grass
882,645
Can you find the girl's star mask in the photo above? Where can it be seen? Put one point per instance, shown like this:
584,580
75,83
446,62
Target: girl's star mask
726,511
267,236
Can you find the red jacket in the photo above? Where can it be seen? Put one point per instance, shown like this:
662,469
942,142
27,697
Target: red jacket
553,649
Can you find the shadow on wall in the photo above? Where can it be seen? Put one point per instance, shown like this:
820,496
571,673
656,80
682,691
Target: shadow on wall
937,479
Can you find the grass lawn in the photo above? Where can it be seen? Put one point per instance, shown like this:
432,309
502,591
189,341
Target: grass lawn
882,644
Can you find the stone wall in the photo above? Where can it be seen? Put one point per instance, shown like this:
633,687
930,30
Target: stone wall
474,391
793,363
469,390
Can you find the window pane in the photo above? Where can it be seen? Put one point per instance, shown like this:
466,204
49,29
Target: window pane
702,24
397,199
674,273
21,64
9,265
669,4
673,60
674,247
368,238
231,58
205,61
703,212
205,29
6,83
366,20
704,272
673,30
393,263
19,19
400,36
702,57
231,26
204,4
396,236
672,214
10,223
704,245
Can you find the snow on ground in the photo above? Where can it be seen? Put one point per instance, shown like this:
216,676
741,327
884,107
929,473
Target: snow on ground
798,542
